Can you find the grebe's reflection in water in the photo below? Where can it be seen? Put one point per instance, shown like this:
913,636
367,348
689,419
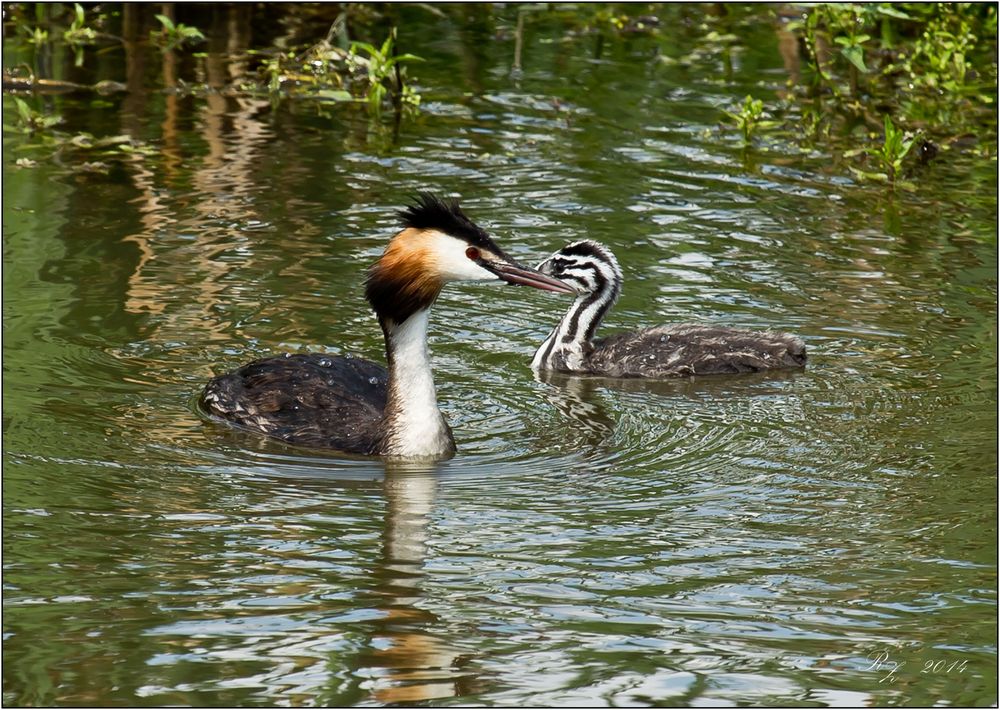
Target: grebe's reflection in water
577,400
407,661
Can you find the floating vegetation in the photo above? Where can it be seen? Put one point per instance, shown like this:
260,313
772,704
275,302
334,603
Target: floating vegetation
31,121
901,53
362,73
76,152
930,68
904,68
336,69
887,76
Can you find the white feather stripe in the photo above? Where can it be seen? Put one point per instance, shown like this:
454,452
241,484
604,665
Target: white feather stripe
418,428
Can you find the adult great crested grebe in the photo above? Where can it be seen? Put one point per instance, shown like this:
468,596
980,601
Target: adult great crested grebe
354,405
663,351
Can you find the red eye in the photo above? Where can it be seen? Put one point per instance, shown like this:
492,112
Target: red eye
472,253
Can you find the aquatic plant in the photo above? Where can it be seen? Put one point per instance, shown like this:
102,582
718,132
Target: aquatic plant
840,24
914,57
358,71
171,35
275,70
31,121
78,34
384,73
749,119
896,145
334,69
930,66
89,153
620,24
34,35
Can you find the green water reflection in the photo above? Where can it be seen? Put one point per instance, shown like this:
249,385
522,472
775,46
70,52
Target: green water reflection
734,540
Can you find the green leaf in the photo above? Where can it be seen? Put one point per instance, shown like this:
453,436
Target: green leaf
887,126
865,175
365,46
167,23
334,95
23,110
856,56
114,140
891,11
191,32
906,147
82,140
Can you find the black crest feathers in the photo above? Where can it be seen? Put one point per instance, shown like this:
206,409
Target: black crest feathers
429,211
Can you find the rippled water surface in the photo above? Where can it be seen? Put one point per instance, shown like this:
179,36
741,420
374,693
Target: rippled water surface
824,537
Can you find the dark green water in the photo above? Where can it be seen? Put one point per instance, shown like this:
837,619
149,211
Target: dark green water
738,540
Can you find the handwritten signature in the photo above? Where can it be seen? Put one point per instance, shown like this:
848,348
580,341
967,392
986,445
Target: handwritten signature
883,663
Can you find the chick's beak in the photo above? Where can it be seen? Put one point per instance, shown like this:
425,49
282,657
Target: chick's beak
514,273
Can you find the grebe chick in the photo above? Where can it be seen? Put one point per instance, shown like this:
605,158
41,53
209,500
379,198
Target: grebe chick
357,406
663,351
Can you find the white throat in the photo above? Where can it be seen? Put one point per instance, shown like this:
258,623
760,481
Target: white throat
416,428
565,346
